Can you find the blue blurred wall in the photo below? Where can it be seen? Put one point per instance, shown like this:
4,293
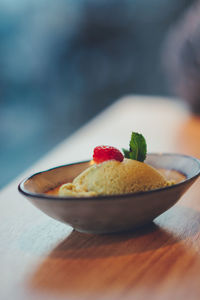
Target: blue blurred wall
61,62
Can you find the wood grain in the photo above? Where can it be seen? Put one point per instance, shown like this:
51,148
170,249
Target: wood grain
41,258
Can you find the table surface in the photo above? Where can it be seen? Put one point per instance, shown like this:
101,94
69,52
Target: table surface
41,258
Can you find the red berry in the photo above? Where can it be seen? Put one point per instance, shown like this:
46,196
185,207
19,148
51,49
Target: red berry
103,153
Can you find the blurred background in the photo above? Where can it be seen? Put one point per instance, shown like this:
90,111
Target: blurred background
64,61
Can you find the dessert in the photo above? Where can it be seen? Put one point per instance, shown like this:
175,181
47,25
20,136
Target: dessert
115,173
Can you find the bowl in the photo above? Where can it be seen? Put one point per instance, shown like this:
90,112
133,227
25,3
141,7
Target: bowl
110,213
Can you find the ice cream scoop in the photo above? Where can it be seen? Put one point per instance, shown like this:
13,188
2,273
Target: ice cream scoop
114,177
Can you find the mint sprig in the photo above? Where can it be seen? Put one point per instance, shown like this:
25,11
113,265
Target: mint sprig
137,147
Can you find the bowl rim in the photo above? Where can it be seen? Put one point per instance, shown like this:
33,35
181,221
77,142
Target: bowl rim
42,196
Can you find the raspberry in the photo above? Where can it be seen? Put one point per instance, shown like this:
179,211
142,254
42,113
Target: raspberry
103,153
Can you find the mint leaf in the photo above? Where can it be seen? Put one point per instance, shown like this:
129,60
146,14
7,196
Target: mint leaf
126,153
138,147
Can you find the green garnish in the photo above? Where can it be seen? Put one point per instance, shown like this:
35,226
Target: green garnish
137,147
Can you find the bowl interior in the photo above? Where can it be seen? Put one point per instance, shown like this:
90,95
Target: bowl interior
187,165
42,182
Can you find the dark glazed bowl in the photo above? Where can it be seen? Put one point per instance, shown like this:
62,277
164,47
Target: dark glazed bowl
113,213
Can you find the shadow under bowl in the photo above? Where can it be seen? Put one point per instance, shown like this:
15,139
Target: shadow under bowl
109,213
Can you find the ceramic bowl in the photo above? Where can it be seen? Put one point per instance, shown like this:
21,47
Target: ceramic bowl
113,213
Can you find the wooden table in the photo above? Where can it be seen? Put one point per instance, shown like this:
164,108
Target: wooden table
41,258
